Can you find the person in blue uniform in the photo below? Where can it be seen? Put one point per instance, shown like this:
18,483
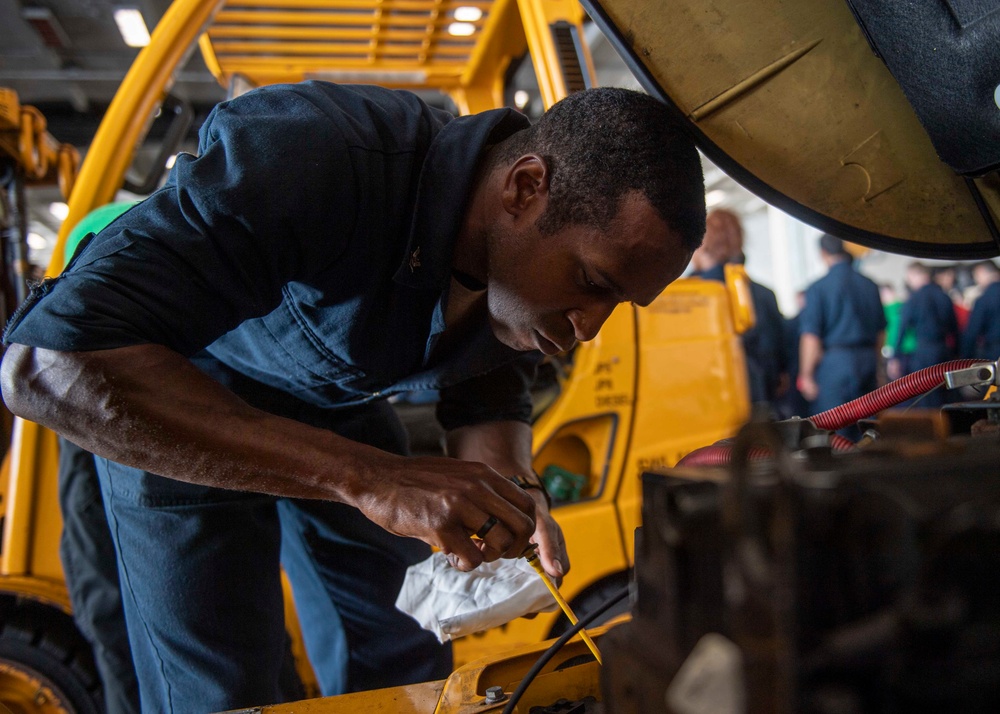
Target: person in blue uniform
767,370
842,329
226,349
764,344
982,335
930,315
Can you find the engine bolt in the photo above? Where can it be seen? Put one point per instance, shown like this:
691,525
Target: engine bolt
495,695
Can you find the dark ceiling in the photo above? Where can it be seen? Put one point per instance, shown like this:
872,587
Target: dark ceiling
67,58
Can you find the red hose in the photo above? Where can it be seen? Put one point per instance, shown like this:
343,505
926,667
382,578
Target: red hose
893,393
896,392
721,453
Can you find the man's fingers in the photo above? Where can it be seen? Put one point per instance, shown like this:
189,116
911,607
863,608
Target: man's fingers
552,551
462,553
515,512
497,543
495,540
469,551
446,502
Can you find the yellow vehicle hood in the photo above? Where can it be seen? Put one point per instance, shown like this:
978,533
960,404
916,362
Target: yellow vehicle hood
883,132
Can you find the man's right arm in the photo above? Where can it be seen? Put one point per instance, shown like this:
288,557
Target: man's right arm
147,406
810,354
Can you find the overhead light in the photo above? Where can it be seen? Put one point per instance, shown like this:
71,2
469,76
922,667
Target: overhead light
59,210
468,14
713,198
132,26
461,29
521,98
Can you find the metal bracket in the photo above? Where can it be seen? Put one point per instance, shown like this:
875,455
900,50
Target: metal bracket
977,375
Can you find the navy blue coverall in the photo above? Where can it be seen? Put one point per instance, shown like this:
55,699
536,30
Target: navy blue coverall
844,310
764,344
930,314
302,259
982,334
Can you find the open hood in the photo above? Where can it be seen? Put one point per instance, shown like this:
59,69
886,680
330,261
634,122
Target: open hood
876,121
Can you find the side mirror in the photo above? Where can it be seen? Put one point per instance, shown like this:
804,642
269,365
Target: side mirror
180,116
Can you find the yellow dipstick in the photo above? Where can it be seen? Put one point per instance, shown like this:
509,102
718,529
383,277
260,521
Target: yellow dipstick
532,558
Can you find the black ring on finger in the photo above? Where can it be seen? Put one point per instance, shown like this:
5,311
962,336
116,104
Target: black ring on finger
485,528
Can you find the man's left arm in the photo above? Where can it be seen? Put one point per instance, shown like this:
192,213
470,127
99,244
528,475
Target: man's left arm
506,447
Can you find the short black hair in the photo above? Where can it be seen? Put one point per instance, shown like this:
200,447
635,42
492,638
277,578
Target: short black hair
600,144
832,245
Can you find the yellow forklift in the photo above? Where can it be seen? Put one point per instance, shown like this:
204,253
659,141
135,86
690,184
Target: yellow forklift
655,384
806,580
35,609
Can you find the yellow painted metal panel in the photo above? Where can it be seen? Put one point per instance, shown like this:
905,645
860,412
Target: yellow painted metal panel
319,52
464,691
32,521
337,18
396,43
537,19
502,39
295,32
692,385
409,5
324,52
411,699
678,356
44,590
20,494
697,340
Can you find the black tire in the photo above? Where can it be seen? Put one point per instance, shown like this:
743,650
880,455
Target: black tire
591,599
45,663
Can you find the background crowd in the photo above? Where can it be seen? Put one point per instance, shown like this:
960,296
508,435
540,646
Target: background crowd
850,334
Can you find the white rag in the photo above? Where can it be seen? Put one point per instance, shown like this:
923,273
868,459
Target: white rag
451,603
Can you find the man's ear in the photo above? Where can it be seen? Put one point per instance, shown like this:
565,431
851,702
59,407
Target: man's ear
526,185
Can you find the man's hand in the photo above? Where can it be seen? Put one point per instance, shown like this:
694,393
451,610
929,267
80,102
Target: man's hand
444,501
149,407
548,537
506,446
808,388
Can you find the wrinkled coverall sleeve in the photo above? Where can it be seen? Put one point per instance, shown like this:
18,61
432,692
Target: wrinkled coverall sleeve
268,200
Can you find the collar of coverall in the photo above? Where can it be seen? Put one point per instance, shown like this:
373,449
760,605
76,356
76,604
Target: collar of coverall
443,189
